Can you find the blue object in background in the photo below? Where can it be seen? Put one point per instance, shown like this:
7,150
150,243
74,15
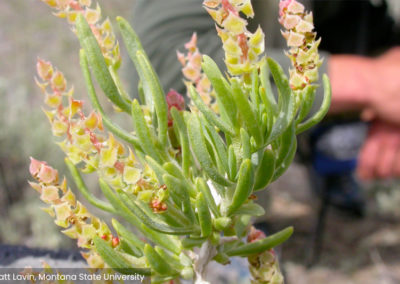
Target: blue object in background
335,147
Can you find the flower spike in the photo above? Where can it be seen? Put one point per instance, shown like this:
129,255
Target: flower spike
191,70
102,30
301,40
69,214
242,48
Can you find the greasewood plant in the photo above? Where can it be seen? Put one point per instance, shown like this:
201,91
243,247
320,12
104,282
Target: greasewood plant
185,176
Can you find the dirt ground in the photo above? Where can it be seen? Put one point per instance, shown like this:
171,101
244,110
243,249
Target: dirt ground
353,251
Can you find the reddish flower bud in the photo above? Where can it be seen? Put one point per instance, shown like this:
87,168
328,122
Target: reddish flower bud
35,166
283,6
253,197
43,172
47,174
255,235
174,99
157,206
58,82
119,166
192,44
44,69
115,241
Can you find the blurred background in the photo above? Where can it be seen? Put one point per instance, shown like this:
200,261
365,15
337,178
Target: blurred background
329,245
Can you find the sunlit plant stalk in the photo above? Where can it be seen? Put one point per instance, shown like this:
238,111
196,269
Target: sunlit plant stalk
184,179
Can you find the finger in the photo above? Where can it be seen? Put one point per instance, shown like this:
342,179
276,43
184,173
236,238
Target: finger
386,158
396,163
368,157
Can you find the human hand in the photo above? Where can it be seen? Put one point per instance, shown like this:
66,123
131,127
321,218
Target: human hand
380,155
368,85
384,93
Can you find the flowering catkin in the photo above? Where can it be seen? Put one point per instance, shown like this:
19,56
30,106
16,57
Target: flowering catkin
242,48
102,30
85,141
69,213
301,40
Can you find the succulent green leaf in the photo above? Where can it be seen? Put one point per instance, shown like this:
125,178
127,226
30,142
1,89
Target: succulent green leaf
133,45
246,112
150,222
221,87
222,258
204,215
175,213
189,243
117,80
141,95
175,171
180,195
241,228
130,38
244,186
111,126
288,141
221,223
262,245
197,141
127,248
286,162
143,132
212,118
202,187
307,98
156,262
149,78
265,170
166,241
266,93
251,209
320,114
115,260
173,259
157,168
179,123
254,95
245,143
98,64
128,236
118,205
232,163
219,145
153,92
286,110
